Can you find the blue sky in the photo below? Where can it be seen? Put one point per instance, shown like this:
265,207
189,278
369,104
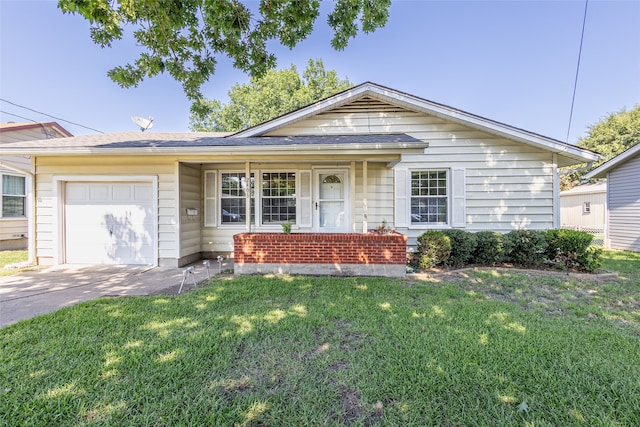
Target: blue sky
510,61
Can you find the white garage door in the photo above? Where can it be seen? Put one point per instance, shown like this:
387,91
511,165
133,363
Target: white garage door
109,223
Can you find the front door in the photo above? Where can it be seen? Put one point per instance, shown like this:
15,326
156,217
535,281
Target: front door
331,204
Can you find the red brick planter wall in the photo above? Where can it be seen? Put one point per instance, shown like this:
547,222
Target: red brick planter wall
321,253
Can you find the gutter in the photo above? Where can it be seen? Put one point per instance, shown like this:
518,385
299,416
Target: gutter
232,150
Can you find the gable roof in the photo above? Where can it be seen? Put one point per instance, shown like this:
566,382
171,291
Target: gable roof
568,154
602,170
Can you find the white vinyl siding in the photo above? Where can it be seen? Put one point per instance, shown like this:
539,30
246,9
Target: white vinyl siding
47,208
190,196
508,185
623,199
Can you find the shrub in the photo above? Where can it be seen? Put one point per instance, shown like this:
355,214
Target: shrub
572,249
525,247
463,244
489,248
433,249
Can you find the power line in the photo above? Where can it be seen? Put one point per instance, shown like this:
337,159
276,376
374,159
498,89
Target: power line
16,115
575,81
48,115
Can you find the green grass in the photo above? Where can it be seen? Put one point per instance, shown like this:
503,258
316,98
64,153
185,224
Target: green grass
493,348
12,257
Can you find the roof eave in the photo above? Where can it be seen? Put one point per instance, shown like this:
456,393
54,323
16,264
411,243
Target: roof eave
370,148
602,170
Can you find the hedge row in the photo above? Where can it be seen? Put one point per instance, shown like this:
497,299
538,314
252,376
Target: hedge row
564,249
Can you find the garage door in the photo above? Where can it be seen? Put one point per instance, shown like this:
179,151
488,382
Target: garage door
109,223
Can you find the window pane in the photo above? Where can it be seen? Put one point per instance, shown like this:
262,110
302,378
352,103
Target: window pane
13,206
13,185
233,199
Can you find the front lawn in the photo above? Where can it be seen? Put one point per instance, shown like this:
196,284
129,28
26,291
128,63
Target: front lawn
13,257
494,348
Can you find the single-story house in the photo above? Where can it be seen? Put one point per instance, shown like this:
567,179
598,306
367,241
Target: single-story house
583,207
15,179
366,156
622,230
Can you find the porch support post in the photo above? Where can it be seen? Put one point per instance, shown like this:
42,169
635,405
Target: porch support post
247,206
365,201
352,195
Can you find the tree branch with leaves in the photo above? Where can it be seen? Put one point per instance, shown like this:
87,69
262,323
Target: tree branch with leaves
185,37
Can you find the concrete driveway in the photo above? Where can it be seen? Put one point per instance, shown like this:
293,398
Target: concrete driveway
32,293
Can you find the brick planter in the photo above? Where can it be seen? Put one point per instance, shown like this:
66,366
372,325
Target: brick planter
344,254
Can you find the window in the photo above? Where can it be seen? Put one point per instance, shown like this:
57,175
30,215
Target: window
276,201
429,198
586,207
13,196
278,197
233,197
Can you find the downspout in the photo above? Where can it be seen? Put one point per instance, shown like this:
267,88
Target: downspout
31,223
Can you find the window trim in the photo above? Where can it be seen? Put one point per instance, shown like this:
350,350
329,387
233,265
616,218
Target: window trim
257,198
449,197
24,196
219,198
296,198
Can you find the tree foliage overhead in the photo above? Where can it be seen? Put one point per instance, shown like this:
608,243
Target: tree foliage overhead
614,134
184,37
264,98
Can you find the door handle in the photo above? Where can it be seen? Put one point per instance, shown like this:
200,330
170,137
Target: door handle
316,205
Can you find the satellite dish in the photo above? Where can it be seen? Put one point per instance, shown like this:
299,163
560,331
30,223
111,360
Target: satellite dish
143,123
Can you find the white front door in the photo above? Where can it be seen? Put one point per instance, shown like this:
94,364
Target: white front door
331,204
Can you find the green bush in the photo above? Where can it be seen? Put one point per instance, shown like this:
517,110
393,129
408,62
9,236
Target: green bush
526,247
572,249
433,249
489,248
463,244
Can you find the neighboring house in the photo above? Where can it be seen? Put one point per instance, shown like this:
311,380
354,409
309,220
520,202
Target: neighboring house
15,180
347,163
583,208
622,230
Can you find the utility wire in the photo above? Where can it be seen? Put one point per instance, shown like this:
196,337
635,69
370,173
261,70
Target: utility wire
575,81
49,115
16,115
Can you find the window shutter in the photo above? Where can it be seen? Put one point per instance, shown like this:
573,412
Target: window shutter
458,204
304,199
210,199
401,208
